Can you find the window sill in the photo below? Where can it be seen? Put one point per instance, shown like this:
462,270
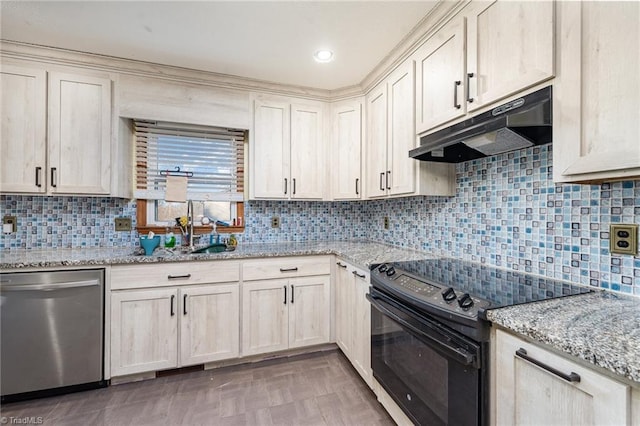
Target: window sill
197,230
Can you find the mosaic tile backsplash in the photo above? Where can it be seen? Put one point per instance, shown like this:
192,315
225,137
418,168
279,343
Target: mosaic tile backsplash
507,212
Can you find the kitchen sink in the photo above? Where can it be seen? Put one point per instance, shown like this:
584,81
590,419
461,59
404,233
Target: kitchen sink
213,248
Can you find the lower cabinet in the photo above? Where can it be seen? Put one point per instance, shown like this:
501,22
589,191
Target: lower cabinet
536,387
353,317
280,314
156,329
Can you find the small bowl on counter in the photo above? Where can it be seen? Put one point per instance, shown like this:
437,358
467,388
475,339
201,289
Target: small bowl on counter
149,244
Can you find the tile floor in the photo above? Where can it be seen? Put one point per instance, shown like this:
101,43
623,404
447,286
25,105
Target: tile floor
313,389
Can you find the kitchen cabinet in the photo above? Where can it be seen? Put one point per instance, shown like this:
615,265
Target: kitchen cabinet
288,150
390,114
488,52
161,320
536,386
596,93
70,156
353,317
389,171
290,311
346,150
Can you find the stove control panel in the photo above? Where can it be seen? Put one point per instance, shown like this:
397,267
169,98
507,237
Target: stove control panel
432,294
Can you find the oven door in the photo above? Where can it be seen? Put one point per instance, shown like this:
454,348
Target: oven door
431,372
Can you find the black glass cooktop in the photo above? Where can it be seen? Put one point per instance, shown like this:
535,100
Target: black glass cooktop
500,287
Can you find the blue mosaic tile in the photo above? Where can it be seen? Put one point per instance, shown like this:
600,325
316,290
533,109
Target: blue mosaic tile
506,212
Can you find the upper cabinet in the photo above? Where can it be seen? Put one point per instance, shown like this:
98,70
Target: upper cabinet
346,150
596,102
490,51
71,153
287,158
390,135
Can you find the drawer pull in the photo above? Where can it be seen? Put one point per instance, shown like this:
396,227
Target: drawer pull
571,377
288,269
359,275
342,265
178,277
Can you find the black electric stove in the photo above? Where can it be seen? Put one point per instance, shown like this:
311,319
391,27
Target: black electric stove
460,292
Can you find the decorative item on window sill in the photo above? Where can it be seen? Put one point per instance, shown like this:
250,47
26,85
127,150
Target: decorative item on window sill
176,172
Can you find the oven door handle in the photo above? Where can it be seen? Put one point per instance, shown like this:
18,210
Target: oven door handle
462,356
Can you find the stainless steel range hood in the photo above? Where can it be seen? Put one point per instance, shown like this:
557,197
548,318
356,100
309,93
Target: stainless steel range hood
518,124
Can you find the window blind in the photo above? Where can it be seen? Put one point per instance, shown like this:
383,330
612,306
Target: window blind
215,157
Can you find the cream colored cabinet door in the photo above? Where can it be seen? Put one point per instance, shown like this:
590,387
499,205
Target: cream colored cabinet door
440,77
596,94
23,134
144,331
307,152
346,177
309,310
361,346
79,134
265,316
401,169
271,149
209,323
531,392
344,308
510,47
376,148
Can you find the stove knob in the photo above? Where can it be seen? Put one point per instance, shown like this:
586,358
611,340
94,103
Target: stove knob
382,268
465,301
449,295
391,271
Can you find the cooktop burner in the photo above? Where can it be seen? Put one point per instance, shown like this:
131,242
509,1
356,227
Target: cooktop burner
465,288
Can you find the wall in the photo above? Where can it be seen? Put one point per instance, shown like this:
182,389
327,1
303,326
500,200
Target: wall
507,212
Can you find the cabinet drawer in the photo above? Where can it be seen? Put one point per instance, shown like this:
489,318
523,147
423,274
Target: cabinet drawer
173,274
285,267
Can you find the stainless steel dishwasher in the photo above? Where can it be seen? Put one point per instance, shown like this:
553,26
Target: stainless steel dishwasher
51,332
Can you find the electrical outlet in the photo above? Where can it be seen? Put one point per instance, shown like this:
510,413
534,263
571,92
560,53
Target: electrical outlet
11,220
386,222
623,239
275,222
123,223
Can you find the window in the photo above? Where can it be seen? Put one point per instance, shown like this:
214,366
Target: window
213,160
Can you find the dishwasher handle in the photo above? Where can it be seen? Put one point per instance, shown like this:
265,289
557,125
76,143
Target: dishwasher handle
49,287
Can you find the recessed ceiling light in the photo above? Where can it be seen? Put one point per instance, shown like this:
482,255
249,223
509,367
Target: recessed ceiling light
323,55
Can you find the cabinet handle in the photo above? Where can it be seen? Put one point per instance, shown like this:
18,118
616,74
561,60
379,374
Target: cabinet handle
359,275
381,179
54,184
294,186
469,98
178,277
38,173
387,179
172,300
285,186
288,269
342,265
285,294
292,293
571,377
456,105
184,305
357,181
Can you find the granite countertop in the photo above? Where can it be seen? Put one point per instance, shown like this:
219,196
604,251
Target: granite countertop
360,253
602,328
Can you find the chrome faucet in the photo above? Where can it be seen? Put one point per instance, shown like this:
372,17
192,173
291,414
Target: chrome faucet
190,223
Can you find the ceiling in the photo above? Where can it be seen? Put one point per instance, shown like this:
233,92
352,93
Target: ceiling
266,40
